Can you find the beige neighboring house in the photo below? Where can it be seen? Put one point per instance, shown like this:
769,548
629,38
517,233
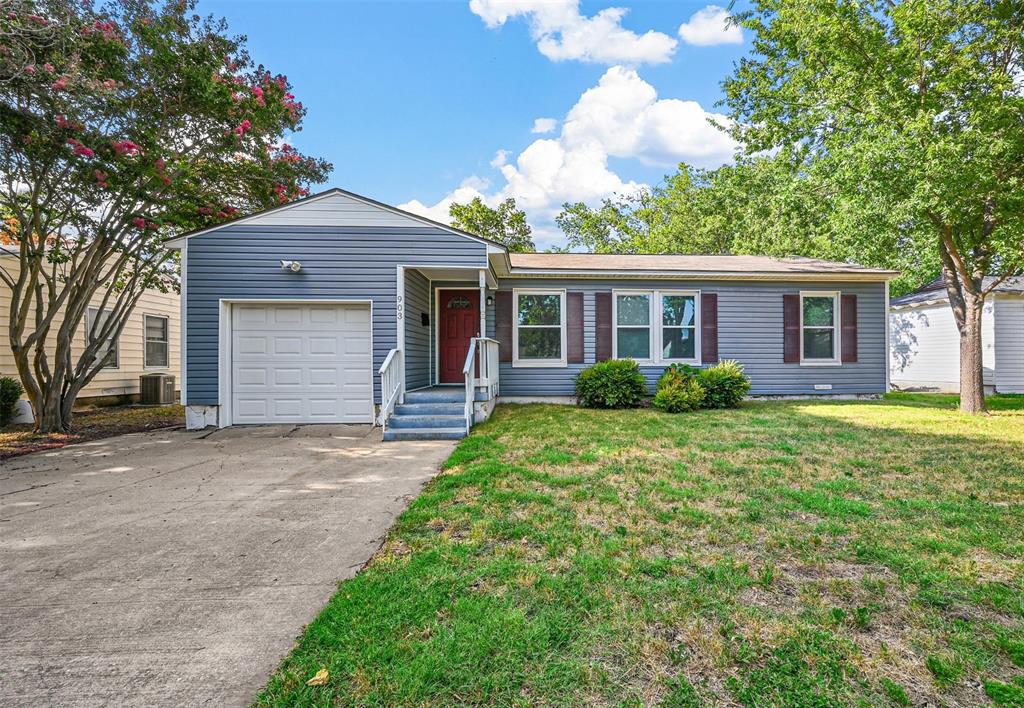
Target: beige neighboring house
149,343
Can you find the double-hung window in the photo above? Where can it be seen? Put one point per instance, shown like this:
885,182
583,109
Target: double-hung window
678,326
819,331
539,337
156,353
657,326
95,321
633,326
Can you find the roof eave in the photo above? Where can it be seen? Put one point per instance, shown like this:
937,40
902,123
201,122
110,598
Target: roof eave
176,242
878,276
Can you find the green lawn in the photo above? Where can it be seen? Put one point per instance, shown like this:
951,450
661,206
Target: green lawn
797,553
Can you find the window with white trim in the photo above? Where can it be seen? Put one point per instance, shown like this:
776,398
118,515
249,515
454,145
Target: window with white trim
156,354
678,326
539,323
633,326
819,327
655,326
95,321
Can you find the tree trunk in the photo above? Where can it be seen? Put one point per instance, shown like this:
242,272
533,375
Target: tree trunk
972,386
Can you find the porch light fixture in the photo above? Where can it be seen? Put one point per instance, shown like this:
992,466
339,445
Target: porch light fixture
293,266
490,300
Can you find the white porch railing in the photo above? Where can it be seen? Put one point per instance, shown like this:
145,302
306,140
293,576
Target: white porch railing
480,371
392,385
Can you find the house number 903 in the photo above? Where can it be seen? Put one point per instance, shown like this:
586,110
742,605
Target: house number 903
400,307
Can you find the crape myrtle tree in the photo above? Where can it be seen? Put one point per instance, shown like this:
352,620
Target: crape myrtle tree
120,125
912,112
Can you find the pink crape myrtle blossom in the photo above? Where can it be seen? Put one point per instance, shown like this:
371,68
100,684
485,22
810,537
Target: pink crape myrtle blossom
80,149
126,147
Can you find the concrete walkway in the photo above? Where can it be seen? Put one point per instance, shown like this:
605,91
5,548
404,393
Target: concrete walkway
177,568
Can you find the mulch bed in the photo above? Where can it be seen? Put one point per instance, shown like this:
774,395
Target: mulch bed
90,424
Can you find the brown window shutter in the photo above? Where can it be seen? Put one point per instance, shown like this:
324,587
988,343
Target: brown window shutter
574,326
709,328
503,324
603,314
791,329
848,319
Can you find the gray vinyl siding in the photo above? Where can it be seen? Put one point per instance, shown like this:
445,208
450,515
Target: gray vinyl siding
749,330
338,262
417,336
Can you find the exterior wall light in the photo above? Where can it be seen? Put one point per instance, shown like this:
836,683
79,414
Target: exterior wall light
293,266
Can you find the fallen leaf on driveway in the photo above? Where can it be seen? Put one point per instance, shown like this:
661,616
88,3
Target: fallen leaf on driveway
321,678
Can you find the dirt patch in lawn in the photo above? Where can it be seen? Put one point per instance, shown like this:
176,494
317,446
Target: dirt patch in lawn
90,424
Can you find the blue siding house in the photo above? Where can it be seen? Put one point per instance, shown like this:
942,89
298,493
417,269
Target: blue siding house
340,309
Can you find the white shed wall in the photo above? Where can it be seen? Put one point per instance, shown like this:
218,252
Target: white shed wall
925,350
1009,343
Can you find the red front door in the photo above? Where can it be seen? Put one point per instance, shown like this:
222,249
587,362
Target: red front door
459,320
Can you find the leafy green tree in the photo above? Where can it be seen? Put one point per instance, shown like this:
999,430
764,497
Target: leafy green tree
506,224
762,205
121,126
912,114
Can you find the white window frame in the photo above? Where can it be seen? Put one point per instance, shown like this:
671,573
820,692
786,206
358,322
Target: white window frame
695,294
656,326
146,340
538,363
90,318
836,328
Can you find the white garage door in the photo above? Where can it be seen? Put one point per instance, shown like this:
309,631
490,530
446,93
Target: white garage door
301,364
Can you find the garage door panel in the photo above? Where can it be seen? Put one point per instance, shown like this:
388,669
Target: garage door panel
308,363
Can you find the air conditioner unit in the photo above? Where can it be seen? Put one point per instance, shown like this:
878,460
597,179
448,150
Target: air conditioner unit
156,389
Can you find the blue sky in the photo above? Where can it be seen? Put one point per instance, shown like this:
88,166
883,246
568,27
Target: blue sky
419,103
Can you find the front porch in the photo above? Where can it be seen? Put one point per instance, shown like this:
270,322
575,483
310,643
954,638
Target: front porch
442,377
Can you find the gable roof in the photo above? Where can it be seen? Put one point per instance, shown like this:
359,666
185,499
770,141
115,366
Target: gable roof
177,241
936,290
737,266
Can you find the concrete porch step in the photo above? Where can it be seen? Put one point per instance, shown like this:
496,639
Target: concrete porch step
429,408
453,394
426,421
424,434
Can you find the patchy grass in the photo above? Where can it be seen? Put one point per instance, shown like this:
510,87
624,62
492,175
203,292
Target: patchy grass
90,424
799,553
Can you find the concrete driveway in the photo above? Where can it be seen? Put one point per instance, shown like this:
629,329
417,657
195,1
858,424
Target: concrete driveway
177,568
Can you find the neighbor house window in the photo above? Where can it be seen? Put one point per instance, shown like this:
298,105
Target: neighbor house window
539,328
819,333
156,354
95,321
656,326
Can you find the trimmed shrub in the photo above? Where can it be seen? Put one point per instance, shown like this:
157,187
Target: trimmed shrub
725,384
10,392
679,394
677,373
616,383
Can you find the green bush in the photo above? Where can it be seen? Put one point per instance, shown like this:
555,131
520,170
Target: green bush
10,392
725,384
679,394
616,383
677,372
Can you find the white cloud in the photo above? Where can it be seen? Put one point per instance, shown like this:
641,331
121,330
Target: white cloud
620,117
709,26
500,158
563,34
465,192
544,125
